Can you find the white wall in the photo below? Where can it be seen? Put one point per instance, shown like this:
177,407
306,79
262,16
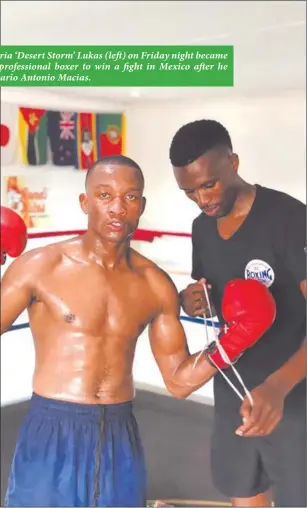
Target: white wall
64,187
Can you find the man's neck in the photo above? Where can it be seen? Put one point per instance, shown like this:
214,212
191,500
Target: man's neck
244,201
109,255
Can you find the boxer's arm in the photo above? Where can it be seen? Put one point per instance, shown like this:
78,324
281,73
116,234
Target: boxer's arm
169,345
16,289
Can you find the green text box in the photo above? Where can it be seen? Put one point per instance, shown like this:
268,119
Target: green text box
209,66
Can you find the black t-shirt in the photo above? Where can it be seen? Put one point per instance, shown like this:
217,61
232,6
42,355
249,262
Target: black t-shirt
269,245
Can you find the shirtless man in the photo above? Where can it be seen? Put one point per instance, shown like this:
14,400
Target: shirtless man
89,299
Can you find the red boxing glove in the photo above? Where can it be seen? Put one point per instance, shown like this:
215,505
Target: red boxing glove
14,234
250,309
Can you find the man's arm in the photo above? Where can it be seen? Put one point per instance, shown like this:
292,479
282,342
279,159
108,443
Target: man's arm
16,289
169,345
269,397
294,370
292,245
192,298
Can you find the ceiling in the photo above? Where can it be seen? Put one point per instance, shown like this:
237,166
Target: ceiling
268,37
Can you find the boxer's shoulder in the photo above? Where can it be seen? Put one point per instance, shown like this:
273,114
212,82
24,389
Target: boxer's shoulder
149,268
36,261
159,281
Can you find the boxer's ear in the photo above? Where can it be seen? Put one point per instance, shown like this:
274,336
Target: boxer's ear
143,205
83,200
235,162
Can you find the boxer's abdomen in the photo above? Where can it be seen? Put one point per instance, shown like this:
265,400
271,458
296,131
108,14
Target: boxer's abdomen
84,368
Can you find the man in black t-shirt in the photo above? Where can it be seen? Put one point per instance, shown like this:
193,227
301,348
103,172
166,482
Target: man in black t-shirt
250,232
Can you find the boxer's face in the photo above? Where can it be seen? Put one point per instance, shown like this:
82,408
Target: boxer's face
211,182
114,201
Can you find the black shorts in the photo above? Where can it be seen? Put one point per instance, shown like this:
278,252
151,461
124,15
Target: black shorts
244,467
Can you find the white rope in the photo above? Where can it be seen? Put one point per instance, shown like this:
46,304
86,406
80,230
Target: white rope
223,355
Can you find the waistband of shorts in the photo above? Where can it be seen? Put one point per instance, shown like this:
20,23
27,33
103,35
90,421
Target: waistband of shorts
57,407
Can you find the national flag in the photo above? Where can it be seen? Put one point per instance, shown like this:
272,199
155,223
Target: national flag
33,136
86,142
109,134
62,137
9,134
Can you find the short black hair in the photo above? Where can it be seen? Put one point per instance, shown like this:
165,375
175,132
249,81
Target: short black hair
195,139
114,160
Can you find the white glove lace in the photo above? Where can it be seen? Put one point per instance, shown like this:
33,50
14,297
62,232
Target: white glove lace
222,353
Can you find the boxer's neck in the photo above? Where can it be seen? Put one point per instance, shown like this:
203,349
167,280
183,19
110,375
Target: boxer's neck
108,254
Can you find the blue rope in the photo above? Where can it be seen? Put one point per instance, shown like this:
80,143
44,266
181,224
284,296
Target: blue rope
18,327
199,321
182,318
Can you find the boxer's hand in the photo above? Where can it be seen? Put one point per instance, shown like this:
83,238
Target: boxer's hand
193,299
266,413
249,310
14,234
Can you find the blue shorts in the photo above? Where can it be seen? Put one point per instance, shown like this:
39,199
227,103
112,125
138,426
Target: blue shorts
71,454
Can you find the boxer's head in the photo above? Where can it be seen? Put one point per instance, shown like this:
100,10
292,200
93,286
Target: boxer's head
114,199
205,166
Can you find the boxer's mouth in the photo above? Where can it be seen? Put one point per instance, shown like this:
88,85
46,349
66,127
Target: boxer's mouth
116,225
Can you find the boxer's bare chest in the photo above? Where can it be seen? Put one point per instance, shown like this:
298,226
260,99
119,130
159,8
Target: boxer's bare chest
94,302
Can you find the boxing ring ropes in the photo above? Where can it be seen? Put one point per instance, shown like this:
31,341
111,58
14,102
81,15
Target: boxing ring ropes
145,236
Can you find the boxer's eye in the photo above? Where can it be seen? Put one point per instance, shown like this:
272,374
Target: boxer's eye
210,185
131,197
104,195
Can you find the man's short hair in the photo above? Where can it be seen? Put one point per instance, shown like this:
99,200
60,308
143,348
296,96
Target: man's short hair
115,160
195,139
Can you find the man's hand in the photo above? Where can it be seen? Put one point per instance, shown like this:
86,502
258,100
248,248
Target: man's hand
265,414
193,299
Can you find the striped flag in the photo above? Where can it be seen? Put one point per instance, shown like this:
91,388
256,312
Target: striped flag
33,136
86,140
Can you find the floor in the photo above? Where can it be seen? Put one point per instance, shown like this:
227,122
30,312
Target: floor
179,469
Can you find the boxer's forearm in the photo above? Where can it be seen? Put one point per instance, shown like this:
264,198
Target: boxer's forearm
189,377
292,372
